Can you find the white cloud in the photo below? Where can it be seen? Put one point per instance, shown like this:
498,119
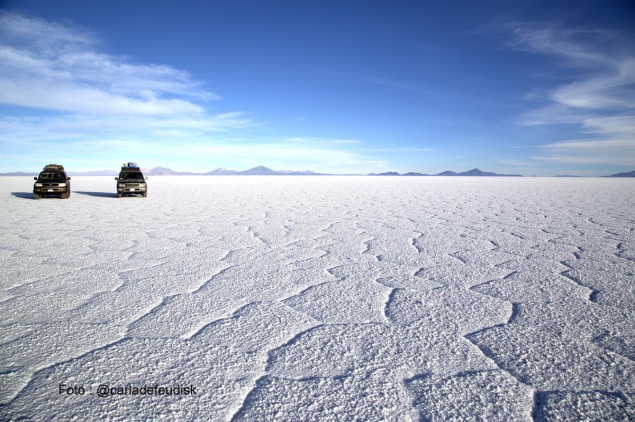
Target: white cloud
563,43
199,143
587,159
106,107
402,149
50,66
606,74
31,129
615,125
600,100
315,140
612,89
70,97
616,145
44,37
204,156
613,151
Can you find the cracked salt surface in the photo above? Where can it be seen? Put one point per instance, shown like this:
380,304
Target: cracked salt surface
321,298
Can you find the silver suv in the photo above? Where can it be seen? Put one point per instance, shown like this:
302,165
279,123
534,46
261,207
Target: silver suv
131,181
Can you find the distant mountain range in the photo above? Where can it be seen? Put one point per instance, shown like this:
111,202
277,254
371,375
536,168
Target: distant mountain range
164,171
473,172
260,171
627,174
18,173
265,171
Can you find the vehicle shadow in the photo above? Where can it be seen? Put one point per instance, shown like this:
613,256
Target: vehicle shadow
23,195
99,194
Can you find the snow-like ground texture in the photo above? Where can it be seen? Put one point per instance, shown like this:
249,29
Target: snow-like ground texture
321,298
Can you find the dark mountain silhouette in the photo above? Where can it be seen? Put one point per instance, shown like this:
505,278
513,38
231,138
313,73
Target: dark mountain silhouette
388,173
627,174
298,172
164,171
19,173
258,171
473,172
221,171
476,172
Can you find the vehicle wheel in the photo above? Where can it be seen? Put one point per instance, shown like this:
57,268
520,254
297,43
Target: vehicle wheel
145,194
119,195
66,195
36,196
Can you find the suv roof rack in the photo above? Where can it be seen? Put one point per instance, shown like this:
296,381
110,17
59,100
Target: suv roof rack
129,165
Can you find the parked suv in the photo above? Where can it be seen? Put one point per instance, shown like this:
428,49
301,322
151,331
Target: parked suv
131,181
52,181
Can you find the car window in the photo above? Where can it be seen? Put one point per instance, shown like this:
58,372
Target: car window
52,175
131,175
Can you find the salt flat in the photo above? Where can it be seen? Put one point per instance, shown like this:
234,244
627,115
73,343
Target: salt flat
321,298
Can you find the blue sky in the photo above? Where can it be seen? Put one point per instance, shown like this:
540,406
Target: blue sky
529,87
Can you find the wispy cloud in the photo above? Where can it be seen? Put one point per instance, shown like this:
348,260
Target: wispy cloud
90,126
613,151
579,46
600,99
46,38
90,108
200,154
203,143
402,149
314,140
50,66
279,155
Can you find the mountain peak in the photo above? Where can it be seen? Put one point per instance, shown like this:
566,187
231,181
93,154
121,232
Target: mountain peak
627,174
259,170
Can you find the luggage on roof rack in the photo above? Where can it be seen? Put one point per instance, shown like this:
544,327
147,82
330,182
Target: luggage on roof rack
130,165
131,181
53,167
